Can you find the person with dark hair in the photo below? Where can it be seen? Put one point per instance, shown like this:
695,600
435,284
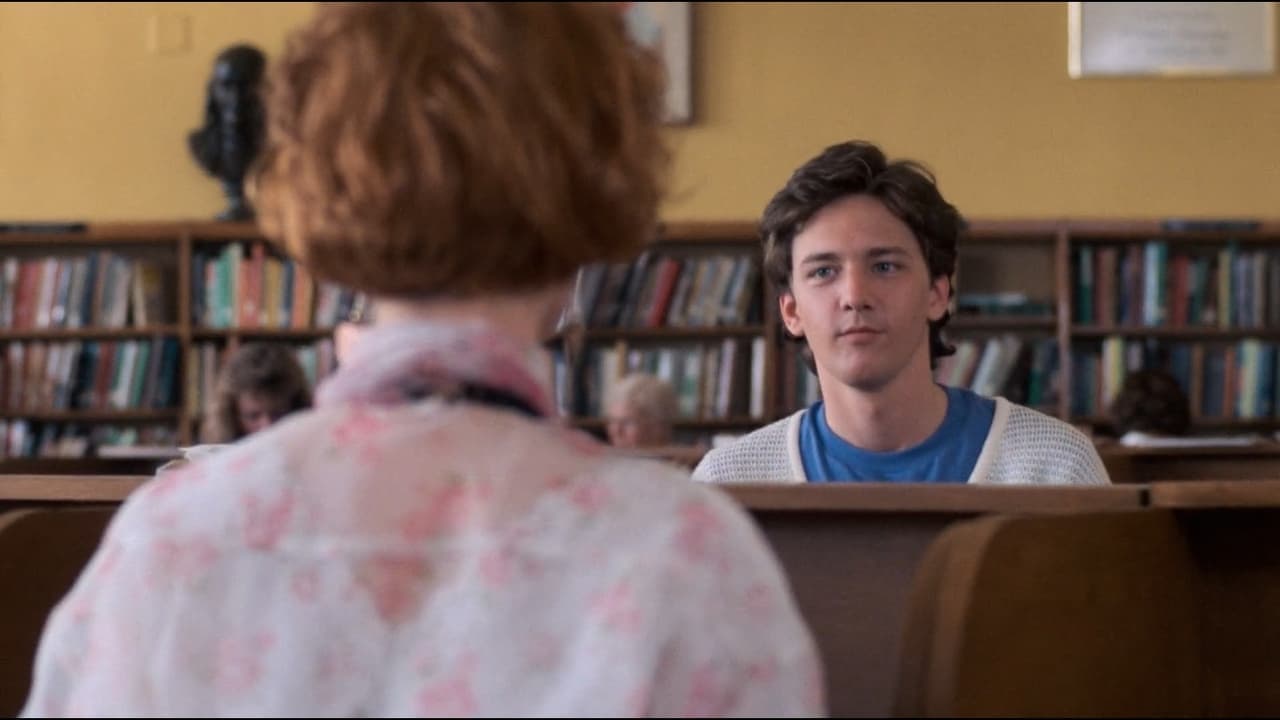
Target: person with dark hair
231,137
1150,404
260,384
429,540
862,252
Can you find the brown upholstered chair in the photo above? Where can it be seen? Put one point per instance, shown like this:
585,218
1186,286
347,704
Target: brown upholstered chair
42,552
1082,615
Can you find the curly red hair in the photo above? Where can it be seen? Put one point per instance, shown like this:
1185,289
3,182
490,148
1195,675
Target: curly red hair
427,149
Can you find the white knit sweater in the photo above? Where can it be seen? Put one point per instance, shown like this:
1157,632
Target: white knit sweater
1023,447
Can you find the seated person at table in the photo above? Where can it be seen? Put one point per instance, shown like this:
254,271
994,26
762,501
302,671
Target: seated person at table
1150,407
260,384
639,412
862,252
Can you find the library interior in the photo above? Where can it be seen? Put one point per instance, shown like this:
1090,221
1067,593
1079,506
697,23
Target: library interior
1063,512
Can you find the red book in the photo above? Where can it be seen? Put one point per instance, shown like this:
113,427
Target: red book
668,274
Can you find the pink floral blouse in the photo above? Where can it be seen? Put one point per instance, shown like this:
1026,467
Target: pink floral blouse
406,549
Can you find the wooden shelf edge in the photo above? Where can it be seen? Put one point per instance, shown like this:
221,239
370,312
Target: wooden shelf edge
1188,332
92,416
285,333
91,333
69,488
685,424
929,497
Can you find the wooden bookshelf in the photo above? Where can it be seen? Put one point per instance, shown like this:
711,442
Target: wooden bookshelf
1006,286
1104,230
89,333
693,424
1036,258
1220,424
1175,333
1042,259
95,237
696,297
970,323
93,416
1215,291
176,245
284,334
171,247
1028,257
668,334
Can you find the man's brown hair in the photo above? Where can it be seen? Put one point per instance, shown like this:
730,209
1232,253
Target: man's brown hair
906,188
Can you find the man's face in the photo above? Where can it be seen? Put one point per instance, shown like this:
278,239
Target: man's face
861,295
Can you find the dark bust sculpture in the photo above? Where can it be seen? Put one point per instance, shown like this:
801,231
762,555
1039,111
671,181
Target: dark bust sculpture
227,143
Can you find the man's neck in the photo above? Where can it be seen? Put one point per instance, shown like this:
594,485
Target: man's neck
900,415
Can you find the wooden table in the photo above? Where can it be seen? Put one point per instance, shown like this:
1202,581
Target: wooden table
851,551
18,490
1232,529
1152,465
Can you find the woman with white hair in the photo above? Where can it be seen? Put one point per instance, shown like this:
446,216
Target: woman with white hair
640,411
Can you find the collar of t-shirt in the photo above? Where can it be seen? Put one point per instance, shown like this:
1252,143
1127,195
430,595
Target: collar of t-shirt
949,454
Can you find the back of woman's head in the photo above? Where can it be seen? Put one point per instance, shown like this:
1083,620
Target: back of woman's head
454,149
269,374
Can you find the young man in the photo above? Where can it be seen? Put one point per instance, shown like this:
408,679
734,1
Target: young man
862,252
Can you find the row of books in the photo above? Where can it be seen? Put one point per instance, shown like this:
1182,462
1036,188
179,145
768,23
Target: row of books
1221,380
27,439
1018,368
97,289
1023,370
660,290
89,375
806,384
1002,304
1143,284
207,359
243,286
712,380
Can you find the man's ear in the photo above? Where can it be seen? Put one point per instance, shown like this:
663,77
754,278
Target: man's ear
787,310
939,297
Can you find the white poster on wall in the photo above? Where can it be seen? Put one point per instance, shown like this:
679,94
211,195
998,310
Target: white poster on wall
666,27
1170,38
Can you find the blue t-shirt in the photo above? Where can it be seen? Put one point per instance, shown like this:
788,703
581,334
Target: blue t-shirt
948,455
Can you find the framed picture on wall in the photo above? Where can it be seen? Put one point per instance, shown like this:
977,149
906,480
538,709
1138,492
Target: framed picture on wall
666,27
1170,39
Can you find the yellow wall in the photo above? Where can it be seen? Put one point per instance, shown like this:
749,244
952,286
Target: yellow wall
93,125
